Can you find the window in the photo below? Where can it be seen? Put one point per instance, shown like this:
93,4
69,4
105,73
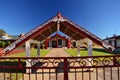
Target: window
110,42
118,43
59,41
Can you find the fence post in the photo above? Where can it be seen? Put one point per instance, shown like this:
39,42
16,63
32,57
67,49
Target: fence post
114,60
65,69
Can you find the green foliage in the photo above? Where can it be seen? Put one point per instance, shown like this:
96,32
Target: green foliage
2,44
7,43
2,32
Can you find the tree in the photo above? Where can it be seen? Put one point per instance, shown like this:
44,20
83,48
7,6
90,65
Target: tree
2,44
2,33
7,43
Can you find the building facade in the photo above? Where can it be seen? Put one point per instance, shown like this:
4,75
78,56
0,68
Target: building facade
57,41
55,24
114,41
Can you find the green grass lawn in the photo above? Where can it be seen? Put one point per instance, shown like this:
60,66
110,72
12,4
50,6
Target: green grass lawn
83,52
33,53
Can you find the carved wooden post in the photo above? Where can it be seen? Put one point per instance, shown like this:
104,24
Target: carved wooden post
89,47
90,53
78,50
27,48
38,50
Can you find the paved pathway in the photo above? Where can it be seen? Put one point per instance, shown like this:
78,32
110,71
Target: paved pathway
58,52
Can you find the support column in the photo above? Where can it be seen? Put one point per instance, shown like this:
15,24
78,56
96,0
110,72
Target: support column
78,48
38,50
90,53
28,64
89,47
115,43
57,40
46,43
50,44
78,51
27,48
68,43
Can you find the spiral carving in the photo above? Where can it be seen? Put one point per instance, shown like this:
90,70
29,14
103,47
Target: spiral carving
106,61
95,62
118,60
83,62
46,62
72,62
56,62
34,61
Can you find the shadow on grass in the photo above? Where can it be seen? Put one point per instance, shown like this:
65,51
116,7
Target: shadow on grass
100,50
105,51
116,52
12,67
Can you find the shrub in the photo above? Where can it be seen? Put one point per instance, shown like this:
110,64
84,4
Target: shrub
2,44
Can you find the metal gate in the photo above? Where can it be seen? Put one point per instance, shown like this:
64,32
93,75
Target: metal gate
60,68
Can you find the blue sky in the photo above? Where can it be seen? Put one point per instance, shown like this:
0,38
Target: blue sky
101,17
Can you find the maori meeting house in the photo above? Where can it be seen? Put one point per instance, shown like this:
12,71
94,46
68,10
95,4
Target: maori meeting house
56,24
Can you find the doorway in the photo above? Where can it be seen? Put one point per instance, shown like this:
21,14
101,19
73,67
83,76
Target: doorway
54,44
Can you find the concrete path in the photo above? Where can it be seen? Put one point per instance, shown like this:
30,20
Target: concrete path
58,52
